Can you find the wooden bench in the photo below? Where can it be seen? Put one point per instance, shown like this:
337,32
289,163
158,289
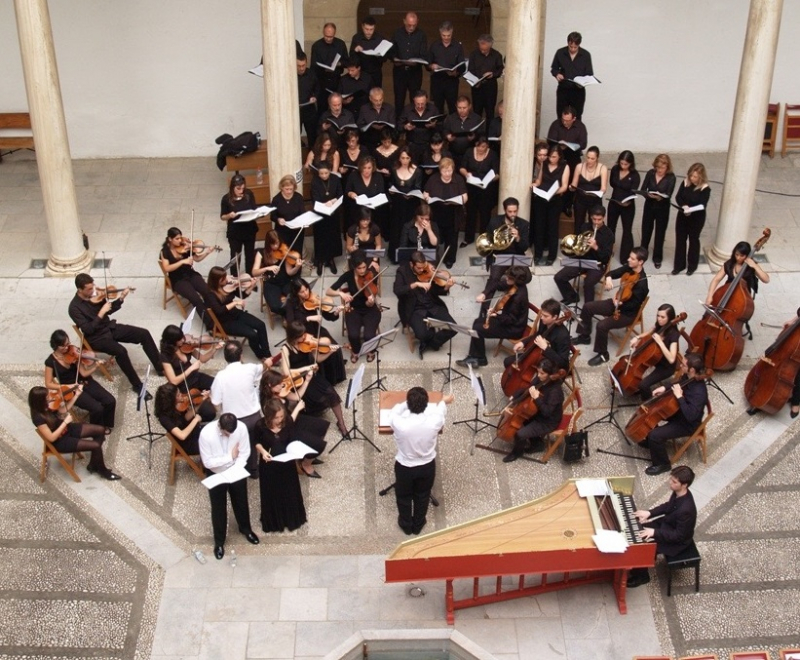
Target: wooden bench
15,131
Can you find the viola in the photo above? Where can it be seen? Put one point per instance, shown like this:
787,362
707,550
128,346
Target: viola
290,384
499,306
194,398
769,383
59,397
368,283
232,285
109,293
192,343
630,369
197,247
309,344
282,253
626,284
520,410
718,336
314,303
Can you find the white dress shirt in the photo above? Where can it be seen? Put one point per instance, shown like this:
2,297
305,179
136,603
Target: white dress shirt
235,388
216,448
416,434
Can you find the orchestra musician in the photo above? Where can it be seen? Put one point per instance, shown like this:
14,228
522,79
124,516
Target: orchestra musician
671,524
505,316
601,250
183,425
620,310
177,260
546,392
240,235
520,235
419,297
358,290
692,395
420,232
740,258
551,336
666,336
274,264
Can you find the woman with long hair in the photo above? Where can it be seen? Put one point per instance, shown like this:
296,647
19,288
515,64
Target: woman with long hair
692,197
277,271
326,189
659,184
406,178
624,180
240,235
740,258
184,426
177,260
667,339
589,178
323,151
367,182
478,162
555,170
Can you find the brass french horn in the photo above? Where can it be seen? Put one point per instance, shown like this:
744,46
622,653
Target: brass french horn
576,245
500,240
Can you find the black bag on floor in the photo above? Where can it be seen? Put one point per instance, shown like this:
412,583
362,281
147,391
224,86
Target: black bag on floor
236,146
576,444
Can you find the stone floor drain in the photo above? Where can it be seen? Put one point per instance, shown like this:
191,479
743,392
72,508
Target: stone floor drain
416,592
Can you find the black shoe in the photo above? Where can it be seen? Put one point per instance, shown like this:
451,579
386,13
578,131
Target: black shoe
147,396
462,244
793,414
313,474
406,530
417,530
422,348
319,269
676,271
549,262
581,339
637,581
540,261
219,551
653,470
470,361
108,475
534,445
510,457
568,211
317,461
657,264
691,271
571,300
450,264
332,266
598,359
752,411
251,537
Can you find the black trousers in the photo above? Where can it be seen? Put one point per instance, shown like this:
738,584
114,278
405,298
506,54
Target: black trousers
655,213
219,509
601,308
479,207
444,89
570,95
554,207
248,244
194,289
430,336
272,296
412,488
308,120
484,99
688,227
567,274
98,402
539,226
128,334
656,440
497,330
626,213
407,79
656,375
368,318
253,329
535,428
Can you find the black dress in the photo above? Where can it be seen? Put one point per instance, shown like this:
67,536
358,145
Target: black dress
403,208
327,232
177,420
320,394
195,380
375,186
95,399
241,235
288,209
446,216
333,367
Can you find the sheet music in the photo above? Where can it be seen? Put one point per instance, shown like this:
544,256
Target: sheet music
548,195
257,71
481,183
333,65
380,50
610,541
304,220
186,326
295,451
372,202
593,487
233,474
319,207
254,214
384,417
583,81
477,387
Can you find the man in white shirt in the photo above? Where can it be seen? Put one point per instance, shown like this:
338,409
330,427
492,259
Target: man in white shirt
416,425
225,445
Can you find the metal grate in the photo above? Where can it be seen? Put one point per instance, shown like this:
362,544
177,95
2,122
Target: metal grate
101,263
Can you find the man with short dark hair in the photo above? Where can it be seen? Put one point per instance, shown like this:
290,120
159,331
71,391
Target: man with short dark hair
307,91
570,62
445,53
91,315
519,230
355,85
409,43
671,524
462,128
486,64
368,39
416,425
418,119
374,117
568,129
223,446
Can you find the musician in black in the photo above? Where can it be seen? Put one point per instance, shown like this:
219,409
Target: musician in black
546,391
551,336
486,64
445,53
674,530
601,249
368,39
692,395
740,258
308,92
409,43
518,228
569,62
324,51
420,232
620,310
666,336
461,128
419,297
419,120
505,315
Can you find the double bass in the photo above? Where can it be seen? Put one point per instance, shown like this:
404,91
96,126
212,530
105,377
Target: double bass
769,384
631,368
718,335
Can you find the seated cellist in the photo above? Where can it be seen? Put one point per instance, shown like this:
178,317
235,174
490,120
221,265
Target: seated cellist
551,336
546,392
740,257
666,336
692,397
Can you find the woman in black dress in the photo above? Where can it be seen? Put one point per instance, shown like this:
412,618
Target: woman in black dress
740,257
538,205
692,197
446,184
419,232
478,162
61,368
350,155
183,426
659,183
433,155
323,151
182,372
367,182
667,339
589,178
240,235
364,234
554,170
406,178
277,272
624,181
177,259
385,155
326,189
229,310
320,394
67,436
288,205
297,310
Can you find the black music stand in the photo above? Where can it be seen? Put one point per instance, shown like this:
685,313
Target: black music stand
403,254
350,402
150,436
610,418
375,345
462,329
475,424
584,264
708,344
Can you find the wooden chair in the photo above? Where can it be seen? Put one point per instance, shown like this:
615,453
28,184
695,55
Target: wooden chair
573,409
688,558
771,129
631,329
178,453
50,450
699,437
87,347
169,294
573,378
501,345
217,331
791,128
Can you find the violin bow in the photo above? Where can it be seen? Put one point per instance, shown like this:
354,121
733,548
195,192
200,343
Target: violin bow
280,263
316,351
439,265
191,236
188,393
239,265
383,270
78,364
105,277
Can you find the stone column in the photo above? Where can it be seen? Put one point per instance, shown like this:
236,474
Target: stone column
519,100
67,254
280,91
747,129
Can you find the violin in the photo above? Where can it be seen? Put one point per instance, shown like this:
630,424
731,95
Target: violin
282,253
718,336
232,285
290,384
192,343
59,397
74,354
197,247
626,284
769,383
313,303
109,293
368,283
630,369
194,398
309,344
439,278
520,410
499,306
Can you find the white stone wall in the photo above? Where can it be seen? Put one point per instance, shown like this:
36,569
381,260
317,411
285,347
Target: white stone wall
165,78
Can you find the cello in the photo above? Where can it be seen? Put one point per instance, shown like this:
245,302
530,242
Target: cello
769,384
521,408
718,335
631,368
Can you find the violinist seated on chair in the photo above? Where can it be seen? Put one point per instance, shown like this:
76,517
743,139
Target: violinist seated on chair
358,290
620,311
692,395
546,393
514,233
740,258
551,337
505,315
277,265
601,247
666,336
419,297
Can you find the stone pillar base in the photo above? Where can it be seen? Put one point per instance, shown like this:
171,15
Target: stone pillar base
58,268
714,257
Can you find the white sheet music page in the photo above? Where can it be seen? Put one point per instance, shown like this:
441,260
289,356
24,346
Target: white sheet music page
593,487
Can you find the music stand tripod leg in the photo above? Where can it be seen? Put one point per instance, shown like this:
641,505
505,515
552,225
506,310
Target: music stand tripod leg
353,433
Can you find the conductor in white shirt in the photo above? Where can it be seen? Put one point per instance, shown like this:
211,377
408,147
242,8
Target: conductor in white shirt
222,446
416,425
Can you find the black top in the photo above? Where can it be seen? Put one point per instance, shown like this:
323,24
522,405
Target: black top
64,375
246,203
414,182
307,86
495,130
749,277
429,165
549,177
173,420
570,68
692,196
288,209
550,403
692,403
369,63
480,64
671,336
220,309
84,314
338,124
675,531
182,272
521,225
480,168
445,56
50,420
666,186
411,238
356,184
385,162
463,130
368,115
357,89
324,52
408,46
374,232
325,191
560,343
420,134
575,134
347,281
435,187
514,314
352,164
625,186
641,289
415,298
